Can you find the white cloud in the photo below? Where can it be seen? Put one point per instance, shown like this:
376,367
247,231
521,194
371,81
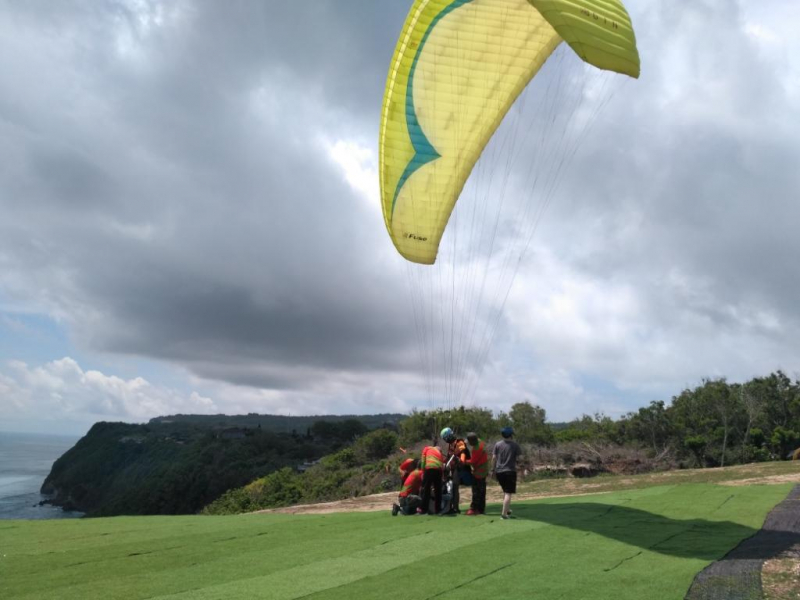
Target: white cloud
61,389
359,166
648,337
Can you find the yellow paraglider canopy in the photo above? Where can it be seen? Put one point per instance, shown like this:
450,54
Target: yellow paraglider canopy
458,67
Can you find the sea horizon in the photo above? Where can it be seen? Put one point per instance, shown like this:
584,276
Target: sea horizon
25,462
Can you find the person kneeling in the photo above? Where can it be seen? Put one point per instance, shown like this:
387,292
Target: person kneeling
408,501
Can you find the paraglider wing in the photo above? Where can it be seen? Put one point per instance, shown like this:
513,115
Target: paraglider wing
599,31
457,69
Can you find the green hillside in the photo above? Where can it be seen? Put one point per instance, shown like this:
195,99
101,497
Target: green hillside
642,543
179,467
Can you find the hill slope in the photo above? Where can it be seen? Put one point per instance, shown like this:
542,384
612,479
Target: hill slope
634,543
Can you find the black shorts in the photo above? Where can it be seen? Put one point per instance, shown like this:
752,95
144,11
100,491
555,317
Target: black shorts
508,481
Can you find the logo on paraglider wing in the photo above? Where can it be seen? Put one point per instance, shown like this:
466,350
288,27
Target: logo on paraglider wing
606,21
424,152
414,236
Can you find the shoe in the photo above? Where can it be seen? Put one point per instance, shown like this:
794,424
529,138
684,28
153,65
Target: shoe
472,513
505,516
395,510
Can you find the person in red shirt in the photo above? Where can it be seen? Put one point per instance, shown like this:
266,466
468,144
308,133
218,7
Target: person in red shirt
408,501
432,466
479,461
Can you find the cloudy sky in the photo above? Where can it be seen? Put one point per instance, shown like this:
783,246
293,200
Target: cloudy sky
189,217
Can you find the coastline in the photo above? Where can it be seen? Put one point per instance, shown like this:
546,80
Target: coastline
25,462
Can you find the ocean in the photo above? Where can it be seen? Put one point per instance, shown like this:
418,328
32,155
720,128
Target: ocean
25,462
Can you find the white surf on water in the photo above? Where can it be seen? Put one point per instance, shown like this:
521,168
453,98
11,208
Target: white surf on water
25,462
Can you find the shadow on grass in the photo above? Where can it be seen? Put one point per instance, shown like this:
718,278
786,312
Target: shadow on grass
690,538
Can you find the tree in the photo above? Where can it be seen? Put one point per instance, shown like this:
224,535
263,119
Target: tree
725,403
424,424
752,400
339,431
784,441
529,424
650,425
696,444
782,398
376,445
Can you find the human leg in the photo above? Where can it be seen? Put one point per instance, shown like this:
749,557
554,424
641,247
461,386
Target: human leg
427,483
410,504
479,495
508,482
456,494
437,489
506,504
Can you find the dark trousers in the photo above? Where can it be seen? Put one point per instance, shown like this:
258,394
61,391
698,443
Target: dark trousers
478,495
456,492
432,478
409,504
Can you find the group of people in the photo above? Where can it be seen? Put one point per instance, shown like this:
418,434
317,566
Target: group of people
431,484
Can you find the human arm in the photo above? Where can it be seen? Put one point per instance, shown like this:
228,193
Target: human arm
461,453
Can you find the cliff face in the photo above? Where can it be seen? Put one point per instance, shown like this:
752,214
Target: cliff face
166,468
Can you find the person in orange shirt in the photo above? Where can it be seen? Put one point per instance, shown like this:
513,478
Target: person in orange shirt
432,465
408,501
479,461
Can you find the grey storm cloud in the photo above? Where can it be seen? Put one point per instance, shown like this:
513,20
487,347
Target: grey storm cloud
166,186
196,216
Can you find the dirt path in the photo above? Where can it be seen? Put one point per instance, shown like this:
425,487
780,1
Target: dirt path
773,474
384,502
769,480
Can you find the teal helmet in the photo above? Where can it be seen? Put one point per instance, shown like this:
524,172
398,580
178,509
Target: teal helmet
447,435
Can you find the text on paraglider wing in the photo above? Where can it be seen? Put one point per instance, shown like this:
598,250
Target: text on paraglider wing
414,236
596,17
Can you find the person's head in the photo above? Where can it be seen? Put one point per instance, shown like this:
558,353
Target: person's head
472,438
448,435
507,433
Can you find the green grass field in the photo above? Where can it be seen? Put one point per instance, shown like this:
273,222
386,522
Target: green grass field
637,543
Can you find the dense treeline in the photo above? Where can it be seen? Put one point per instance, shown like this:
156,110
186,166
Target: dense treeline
714,424
717,423
179,466
529,423
280,423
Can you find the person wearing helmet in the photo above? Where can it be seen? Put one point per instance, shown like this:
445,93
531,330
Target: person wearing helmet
504,466
408,501
479,462
432,466
458,469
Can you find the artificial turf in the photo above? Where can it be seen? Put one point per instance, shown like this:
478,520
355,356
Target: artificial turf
633,544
